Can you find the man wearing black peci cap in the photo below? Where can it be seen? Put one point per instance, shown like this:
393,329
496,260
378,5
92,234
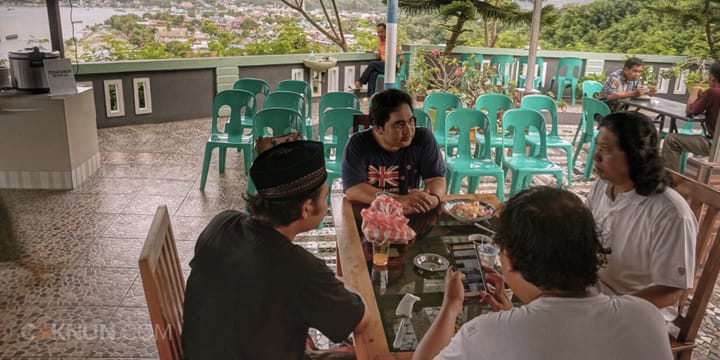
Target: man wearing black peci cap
252,294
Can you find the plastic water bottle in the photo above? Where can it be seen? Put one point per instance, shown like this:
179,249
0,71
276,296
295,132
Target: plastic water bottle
312,55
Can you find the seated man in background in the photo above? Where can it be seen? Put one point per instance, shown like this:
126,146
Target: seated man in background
393,156
649,226
624,83
252,294
550,254
701,101
375,68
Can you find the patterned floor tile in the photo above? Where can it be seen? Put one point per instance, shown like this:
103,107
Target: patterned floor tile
147,204
204,207
83,286
101,203
167,187
57,332
129,226
136,295
132,335
15,282
123,186
188,227
54,251
113,252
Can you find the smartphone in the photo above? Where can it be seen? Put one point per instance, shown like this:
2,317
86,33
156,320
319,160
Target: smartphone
466,259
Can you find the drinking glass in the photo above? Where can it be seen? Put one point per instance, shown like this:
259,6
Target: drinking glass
488,254
380,253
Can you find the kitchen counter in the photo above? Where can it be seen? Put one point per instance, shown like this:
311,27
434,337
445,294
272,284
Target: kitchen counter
47,142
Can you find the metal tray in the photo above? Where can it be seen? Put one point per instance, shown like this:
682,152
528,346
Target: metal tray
431,262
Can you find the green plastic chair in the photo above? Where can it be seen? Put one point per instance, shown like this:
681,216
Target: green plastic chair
340,122
272,122
540,103
256,87
474,59
401,75
442,103
422,119
503,62
523,166
338,100
240,102
522,76
568,77
591,108
335,100
464,164
287,100
589,89
303,88
490,104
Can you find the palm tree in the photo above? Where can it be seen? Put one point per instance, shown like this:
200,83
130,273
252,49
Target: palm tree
490,12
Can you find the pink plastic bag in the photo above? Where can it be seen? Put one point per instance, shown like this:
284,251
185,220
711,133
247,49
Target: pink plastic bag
384,222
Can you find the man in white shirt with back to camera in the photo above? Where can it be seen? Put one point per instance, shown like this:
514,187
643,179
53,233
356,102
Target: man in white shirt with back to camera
650,227
550,251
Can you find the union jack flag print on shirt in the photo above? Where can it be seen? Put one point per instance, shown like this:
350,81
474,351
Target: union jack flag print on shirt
381,176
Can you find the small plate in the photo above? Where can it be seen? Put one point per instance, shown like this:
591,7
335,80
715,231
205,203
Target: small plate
450,205
431,262
643,97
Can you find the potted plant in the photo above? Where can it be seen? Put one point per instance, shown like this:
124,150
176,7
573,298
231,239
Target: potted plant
647,78
696,67
561,104
437,72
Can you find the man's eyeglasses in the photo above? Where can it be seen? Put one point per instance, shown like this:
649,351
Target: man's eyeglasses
400,125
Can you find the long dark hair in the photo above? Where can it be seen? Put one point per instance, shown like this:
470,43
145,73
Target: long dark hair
638,139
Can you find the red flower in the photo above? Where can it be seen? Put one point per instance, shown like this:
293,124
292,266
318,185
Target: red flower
435,52
459,72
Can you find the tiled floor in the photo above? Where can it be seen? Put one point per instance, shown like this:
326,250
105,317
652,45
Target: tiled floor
76,294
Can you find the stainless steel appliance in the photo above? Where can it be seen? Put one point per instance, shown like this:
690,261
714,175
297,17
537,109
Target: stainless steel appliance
27,69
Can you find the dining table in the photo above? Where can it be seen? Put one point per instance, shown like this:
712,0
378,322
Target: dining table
665,109
436,230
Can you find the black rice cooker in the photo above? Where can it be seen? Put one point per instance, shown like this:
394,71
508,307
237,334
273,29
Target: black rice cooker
27,70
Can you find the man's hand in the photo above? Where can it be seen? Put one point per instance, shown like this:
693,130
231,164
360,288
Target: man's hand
697,91
417,201
639,91
495,297
653,91
454,291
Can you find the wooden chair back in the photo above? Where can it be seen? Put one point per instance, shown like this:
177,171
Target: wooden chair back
164,285
705,204
361,122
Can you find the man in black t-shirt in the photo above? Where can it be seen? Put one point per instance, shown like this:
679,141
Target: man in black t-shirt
252,293
393,156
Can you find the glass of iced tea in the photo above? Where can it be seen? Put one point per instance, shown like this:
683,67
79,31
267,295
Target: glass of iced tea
380,253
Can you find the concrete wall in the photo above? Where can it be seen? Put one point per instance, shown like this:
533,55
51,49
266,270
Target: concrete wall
183,89
175,95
